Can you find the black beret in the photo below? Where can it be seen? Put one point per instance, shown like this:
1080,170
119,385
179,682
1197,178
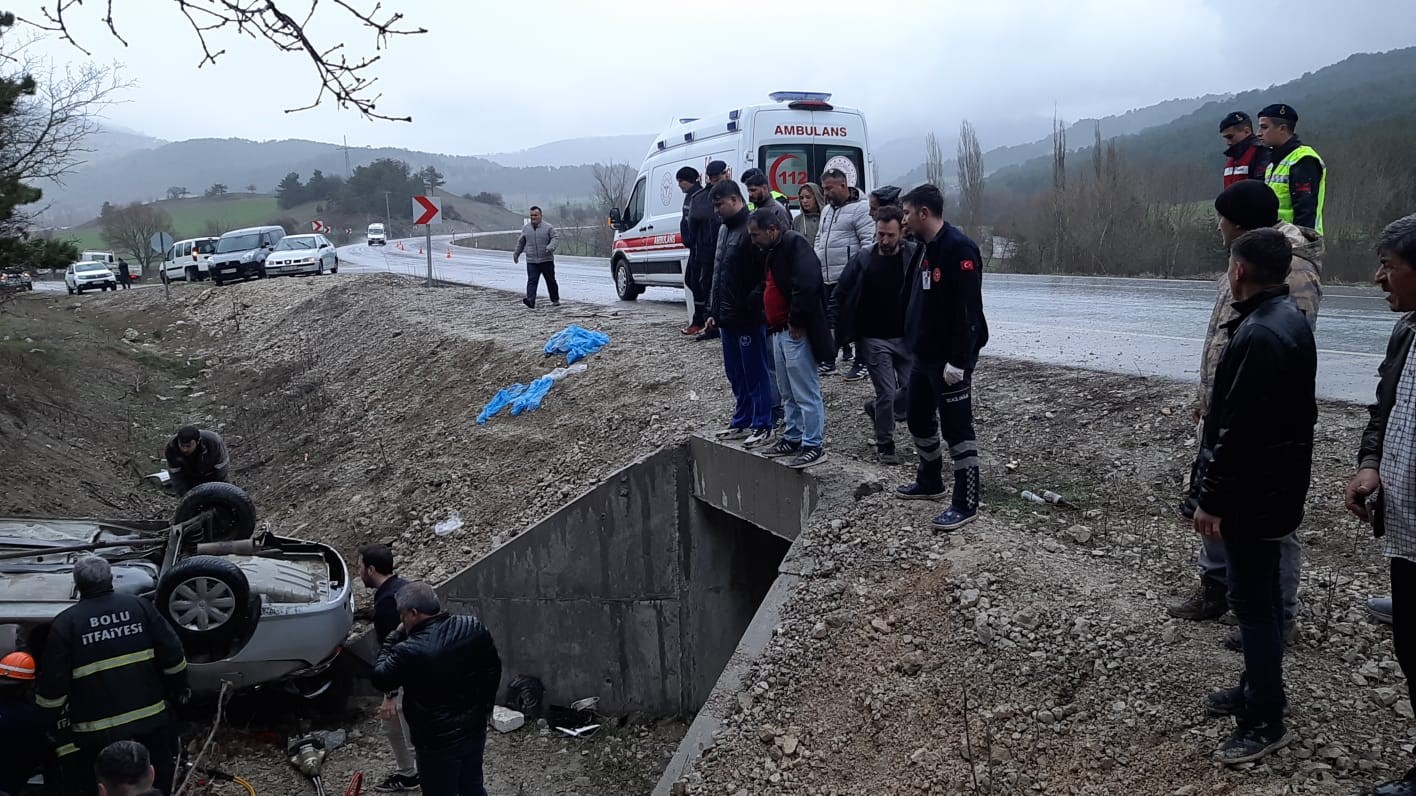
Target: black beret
754,177
716,167
1234,117
1280,111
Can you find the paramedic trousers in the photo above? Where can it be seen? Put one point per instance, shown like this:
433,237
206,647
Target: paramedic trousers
534,272
934,407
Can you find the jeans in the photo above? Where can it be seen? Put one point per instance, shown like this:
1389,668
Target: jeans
1403,620
396,731
456,771
1214,564
1257,600
889,365
534,272
800,387
745,361
934,407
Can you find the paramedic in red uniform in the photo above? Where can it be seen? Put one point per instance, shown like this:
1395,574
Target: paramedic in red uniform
1247,156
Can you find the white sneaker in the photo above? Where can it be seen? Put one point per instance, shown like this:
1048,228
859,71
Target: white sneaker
730,434
760,436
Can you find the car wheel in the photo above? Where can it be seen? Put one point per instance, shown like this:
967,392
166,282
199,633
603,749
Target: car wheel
207,600
71,290
319,269
624,282
218,281
233,513
334,269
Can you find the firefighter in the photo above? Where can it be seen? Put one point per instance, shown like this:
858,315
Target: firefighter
22,745
110,666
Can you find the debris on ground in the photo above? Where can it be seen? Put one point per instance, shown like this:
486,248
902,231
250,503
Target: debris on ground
1029,653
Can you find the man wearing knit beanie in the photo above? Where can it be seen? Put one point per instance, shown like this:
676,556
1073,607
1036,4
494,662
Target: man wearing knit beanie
1243,207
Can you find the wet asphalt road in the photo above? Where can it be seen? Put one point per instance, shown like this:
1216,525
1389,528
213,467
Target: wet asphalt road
1151,327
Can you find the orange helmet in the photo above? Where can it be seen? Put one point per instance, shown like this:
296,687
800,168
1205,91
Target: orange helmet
17,666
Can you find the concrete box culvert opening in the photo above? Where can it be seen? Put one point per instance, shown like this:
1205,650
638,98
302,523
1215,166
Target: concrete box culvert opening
640,591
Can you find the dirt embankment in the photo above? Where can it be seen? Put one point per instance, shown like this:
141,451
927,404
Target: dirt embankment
1033,644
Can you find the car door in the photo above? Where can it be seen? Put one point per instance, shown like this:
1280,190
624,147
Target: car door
69,277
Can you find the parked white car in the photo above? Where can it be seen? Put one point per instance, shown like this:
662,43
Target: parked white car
87,276
302,254
188,259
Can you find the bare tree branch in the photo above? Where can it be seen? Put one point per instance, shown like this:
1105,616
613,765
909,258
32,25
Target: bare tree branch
345,80
970,163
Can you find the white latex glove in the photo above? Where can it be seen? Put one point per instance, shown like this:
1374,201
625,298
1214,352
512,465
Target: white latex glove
952,375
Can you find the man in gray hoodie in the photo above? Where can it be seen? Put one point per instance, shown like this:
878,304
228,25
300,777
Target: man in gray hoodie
538,240
846,230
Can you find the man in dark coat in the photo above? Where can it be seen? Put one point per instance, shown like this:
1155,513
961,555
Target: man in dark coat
1256,461
794,305
449,671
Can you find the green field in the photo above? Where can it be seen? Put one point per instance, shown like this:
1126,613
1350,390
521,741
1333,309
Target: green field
190,217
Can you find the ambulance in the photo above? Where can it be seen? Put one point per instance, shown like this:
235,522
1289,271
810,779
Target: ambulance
795,138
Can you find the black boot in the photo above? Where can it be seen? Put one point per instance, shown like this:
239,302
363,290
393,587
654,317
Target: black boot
1406,786
1209,601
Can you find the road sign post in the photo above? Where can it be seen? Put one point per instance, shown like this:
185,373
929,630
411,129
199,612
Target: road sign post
160,242
427,210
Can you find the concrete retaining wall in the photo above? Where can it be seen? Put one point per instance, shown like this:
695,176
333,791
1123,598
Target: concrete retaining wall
639,591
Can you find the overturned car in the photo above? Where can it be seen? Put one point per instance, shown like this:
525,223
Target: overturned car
250,610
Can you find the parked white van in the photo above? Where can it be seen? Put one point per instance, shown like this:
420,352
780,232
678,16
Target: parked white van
188,259
377,236
793,139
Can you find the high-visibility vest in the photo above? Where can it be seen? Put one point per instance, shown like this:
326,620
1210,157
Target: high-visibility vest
1277,179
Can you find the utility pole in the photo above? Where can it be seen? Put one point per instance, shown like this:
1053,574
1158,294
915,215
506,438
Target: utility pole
346,157
388,218
428,239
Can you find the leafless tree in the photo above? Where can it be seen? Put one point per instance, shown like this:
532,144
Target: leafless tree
130,229
346,79
934,162
612,182
44,135
970,161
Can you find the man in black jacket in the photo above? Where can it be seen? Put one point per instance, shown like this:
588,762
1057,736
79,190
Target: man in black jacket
449,671
869,307
794,305
706,227
735,309
375,568
110,665
1381,492
687,177
944,330
1256,460
195,456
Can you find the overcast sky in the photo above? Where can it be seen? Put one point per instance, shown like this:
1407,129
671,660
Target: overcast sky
491,77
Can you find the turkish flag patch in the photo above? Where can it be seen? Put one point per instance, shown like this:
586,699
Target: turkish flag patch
938,275
1302,187
966,265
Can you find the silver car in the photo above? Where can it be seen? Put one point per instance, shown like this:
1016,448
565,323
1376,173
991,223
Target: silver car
302,254
249,611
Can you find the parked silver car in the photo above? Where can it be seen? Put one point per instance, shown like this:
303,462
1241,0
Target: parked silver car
249,611
302,254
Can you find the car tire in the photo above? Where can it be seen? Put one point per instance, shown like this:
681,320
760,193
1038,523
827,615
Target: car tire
71,290
218,281
319,269
207,600
333,269
235,514
624,282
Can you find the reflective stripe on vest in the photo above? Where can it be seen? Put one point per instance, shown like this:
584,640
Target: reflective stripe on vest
113,663
1277,179
98,725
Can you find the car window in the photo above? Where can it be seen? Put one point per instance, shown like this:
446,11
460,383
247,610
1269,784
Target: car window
239,243
206,246
298,242
171,253
635,211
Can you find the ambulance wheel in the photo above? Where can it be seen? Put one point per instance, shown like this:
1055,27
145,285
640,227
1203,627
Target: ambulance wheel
624,282
207,600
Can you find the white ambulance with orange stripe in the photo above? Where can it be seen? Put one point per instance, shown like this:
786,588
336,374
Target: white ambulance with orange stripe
793,139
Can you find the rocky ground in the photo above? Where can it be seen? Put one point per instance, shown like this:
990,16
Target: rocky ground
1029,653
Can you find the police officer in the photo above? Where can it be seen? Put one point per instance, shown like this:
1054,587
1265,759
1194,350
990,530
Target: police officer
1247,157
113,663
1295,172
